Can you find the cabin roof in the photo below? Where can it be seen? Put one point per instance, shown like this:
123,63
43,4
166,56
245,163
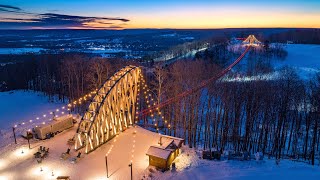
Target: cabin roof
158,152
176,141
164,143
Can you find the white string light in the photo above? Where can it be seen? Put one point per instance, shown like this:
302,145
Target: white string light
133,145
79,101
149,100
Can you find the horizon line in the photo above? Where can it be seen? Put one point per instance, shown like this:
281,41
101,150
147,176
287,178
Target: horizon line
6,29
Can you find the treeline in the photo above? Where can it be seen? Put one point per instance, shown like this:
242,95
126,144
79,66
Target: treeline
68,76
297,36
176,51
279,116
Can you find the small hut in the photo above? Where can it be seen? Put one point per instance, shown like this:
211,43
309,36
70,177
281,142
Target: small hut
163,154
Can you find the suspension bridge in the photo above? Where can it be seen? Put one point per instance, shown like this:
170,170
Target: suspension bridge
115,106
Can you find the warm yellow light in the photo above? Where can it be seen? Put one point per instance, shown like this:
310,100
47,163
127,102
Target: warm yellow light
4,177
3,164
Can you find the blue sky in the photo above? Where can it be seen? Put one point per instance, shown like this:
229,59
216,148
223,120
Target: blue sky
118,14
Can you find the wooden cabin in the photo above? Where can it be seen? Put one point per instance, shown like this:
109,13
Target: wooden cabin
163,154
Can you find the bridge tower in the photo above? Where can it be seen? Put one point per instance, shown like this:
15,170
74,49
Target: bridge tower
251,40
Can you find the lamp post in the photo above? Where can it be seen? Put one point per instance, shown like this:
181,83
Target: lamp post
28,138
106,158
29,143
14,134
130,165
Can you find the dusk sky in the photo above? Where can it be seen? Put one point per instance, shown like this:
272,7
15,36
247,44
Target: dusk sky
182,14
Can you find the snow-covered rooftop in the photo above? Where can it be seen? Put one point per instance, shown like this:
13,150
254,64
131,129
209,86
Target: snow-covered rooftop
158,152
177,141
164,143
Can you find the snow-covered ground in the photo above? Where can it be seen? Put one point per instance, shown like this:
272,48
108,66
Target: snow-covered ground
20,50
130,145
190,166
19,107
134,142
25,109
304,58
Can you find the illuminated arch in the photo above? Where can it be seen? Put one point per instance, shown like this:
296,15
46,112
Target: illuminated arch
111,111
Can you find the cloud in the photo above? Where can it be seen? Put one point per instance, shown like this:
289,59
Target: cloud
56,20
9,8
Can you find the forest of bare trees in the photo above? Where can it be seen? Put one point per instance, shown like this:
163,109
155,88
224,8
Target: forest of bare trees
66,76
278,117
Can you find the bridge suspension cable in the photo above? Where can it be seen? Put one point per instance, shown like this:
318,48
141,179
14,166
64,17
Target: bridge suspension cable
203,84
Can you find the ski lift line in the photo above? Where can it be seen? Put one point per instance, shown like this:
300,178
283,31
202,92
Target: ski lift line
203,84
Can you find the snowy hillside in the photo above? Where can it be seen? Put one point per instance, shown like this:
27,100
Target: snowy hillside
302,57
25,109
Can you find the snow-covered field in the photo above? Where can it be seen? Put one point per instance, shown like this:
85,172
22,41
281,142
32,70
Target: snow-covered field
25,109
19,50
304,58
